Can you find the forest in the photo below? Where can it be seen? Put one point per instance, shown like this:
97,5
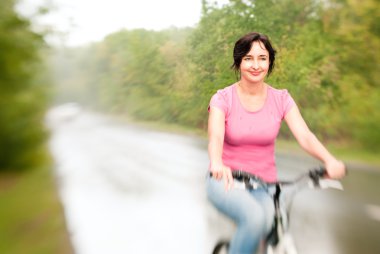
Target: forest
328,57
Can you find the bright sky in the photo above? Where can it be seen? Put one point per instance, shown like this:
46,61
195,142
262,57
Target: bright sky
78,22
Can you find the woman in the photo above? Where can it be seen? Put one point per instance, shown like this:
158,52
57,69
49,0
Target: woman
244,121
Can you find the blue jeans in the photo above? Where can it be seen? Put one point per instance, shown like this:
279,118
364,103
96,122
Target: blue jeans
251,210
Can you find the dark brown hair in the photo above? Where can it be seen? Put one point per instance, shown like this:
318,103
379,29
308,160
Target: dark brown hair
243,46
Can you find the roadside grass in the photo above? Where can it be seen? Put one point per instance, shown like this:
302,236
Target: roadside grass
32,220
351,155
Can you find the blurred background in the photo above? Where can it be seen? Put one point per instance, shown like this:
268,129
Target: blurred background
103,116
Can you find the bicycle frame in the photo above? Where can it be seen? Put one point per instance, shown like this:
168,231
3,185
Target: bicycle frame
280,240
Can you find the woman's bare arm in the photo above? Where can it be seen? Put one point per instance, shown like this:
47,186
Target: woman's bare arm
309,142
216,129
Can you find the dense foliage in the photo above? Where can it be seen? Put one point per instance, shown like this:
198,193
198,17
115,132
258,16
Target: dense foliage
23,98
328,58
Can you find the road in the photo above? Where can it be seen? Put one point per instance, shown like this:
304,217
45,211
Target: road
130,189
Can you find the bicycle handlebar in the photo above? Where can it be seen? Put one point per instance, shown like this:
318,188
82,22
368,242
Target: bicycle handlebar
315,174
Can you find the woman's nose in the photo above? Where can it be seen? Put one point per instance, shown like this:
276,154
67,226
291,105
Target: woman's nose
255,64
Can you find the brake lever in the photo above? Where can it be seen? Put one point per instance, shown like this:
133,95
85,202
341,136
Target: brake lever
325,184
330,184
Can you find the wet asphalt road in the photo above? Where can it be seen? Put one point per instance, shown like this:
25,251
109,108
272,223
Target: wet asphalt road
129,189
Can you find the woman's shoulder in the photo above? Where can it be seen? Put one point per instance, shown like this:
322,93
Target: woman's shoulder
226,90
280,93
277,91
281,99
222,98
225,93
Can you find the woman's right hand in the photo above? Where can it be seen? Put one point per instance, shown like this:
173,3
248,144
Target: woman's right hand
220,171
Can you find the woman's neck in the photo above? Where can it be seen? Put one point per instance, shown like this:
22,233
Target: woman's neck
252,89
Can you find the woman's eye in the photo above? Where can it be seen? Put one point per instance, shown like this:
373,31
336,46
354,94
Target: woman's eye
248,58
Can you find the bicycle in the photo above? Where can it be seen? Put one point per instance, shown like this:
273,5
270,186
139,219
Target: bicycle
279,240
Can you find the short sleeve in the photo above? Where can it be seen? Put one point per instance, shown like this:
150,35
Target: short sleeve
219,100
287,102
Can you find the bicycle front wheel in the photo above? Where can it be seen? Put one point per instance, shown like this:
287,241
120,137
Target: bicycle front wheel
221,247
285,246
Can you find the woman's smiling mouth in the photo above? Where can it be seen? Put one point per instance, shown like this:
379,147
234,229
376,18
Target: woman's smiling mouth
255,73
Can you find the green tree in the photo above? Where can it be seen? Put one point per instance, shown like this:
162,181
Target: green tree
23,97
355,27
328,58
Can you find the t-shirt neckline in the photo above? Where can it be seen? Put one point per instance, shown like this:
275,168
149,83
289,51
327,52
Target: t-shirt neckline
235,93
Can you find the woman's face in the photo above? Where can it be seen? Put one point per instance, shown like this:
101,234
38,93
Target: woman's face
255,65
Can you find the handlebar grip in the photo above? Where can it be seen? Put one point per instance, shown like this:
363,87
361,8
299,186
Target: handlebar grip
318,172
321,171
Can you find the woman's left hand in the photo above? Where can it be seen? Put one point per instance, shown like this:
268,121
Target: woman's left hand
335,169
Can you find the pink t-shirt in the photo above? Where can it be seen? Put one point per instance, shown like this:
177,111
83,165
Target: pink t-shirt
250,136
